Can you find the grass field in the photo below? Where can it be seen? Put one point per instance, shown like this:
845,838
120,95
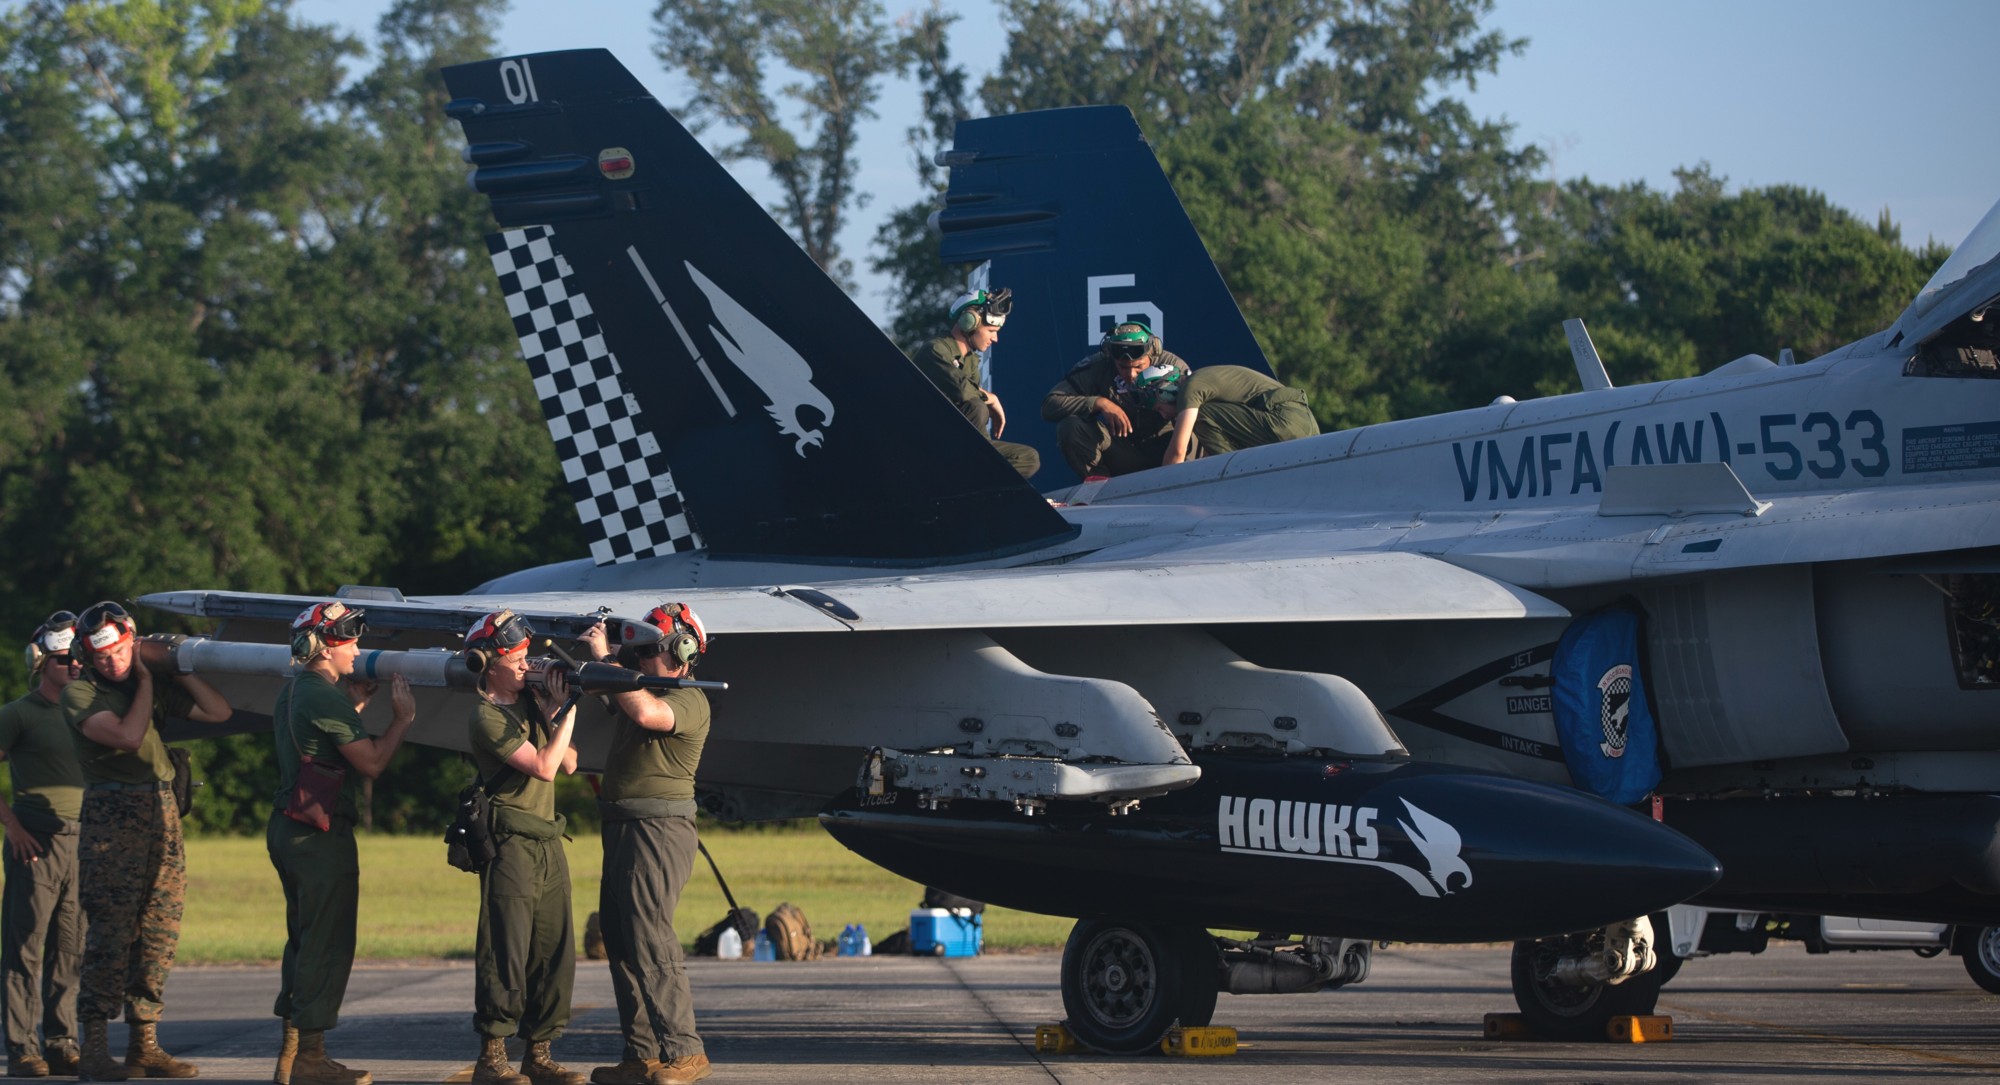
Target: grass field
413,905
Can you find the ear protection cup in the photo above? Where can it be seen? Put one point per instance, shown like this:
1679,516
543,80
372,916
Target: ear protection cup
968,321
477,660
683,647
307,644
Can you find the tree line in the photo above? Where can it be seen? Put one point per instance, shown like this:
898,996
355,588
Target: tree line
249,340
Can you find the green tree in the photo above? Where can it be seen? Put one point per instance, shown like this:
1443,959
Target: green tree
839,51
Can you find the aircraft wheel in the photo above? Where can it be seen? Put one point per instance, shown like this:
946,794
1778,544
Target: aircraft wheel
1562,1011
1125,984
1203,977
1982,958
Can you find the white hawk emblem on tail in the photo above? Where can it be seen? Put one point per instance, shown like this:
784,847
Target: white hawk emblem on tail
770,362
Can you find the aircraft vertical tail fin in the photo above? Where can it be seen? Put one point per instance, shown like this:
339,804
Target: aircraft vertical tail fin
706,384
1075,215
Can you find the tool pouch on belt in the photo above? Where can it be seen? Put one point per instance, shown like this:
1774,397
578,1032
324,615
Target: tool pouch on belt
469,843
316,794
184,781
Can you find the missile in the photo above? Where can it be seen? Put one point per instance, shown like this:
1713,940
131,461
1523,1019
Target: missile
434,668
1359,849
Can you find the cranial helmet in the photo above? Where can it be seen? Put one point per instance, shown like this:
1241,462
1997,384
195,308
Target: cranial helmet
52,638
325,625
101,626
1157,384
969,310
501,633
671,629
1129,340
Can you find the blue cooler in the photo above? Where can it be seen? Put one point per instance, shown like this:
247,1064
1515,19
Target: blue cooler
940,932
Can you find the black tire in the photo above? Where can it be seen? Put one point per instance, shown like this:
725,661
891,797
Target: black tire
1559,1011
1125,984
1202,977
1982,957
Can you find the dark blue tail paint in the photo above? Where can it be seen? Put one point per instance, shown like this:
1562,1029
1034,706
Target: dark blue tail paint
670,322
1079,221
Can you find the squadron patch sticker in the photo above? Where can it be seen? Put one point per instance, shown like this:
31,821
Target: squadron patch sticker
1614,692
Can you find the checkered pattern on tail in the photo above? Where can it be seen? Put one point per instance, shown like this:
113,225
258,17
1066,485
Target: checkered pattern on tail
624,493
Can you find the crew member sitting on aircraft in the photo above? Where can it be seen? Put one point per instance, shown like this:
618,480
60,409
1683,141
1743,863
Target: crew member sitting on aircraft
526,952
1224,408
649,844
317,733
951,361
1103,428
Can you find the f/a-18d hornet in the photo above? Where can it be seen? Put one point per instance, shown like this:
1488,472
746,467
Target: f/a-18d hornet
1401,682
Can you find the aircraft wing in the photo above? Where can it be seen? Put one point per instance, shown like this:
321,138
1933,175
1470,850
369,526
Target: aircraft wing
1219,586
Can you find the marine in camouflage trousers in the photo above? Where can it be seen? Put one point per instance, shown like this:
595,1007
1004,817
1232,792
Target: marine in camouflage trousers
133,888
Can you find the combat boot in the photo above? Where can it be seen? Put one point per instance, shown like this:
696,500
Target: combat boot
143,1057
62,1057
288,1052
97,1063
493,1067
26,1063
545,1070
312,1067
629,1072
685,1070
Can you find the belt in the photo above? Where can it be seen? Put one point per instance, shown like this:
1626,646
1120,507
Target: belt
153,785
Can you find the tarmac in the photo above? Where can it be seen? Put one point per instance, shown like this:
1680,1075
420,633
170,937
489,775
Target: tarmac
1779,1017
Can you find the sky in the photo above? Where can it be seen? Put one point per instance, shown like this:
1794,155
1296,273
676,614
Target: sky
1876,105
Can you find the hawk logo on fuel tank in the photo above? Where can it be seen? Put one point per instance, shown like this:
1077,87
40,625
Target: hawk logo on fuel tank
1332,833
1614,692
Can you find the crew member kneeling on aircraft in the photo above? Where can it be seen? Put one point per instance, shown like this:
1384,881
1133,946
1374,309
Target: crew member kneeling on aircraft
310,835
526,951
41,922
1103,428
649,845
133,868
1223,408
952,360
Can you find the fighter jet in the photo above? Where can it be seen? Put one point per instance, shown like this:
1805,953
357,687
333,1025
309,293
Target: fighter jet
1393,682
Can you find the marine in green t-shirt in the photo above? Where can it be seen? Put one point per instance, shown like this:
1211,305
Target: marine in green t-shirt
36,741
314,719
1224,408
104,764
650,842
497,731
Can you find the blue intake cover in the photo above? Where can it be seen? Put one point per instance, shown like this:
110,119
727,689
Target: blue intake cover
1607,730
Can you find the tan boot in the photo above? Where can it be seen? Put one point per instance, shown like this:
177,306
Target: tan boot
312,1067
629,1072
143,1057
62,1057
97,1063
685,1070
27,1062
288,1050
493,1067
542,1069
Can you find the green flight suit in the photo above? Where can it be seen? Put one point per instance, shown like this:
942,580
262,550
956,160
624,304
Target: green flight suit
1087,442
1242,408
955,371
41,919
649,848
133,867
319,870
526,950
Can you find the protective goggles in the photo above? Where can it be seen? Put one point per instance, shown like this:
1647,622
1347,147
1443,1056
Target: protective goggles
106,625
503,633
1126,352
336,622
52,641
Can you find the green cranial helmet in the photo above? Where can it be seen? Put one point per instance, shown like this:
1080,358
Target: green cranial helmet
1157,384
1128,340
990,307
